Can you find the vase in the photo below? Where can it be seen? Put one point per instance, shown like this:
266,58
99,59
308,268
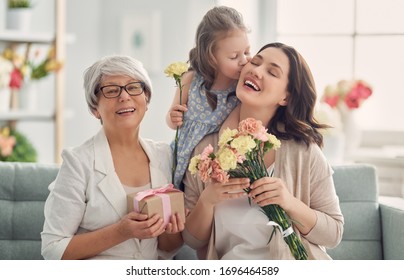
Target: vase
19,19
5,99
352,132
28,97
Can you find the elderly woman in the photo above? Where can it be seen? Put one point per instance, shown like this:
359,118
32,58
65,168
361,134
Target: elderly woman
86,211
276,87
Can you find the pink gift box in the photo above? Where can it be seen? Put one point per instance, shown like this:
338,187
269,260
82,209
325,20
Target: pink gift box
164,201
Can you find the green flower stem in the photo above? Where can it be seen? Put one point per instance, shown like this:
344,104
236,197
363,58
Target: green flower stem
278,215
175,156
254,168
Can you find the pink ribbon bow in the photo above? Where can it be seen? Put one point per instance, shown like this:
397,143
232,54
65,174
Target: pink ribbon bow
161,192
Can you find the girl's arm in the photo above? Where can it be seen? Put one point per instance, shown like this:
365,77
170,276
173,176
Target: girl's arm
175,113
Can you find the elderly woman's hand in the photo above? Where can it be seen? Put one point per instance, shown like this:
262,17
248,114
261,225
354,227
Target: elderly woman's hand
136,225
175,225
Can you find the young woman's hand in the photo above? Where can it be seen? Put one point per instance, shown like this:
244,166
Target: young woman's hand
271,190
176,114
216,192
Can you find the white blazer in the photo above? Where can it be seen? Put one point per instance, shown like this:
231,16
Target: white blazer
87,195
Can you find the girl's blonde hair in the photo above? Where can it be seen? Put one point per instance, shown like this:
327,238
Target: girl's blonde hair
215,25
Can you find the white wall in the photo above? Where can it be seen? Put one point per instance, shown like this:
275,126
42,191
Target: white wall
98,31
96,26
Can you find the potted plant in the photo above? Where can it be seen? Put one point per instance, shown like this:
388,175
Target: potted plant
14,146
19,15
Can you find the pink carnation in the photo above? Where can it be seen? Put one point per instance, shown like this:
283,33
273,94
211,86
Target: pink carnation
218,173
253,127
249,126
220,176
206,152
261,134
205,169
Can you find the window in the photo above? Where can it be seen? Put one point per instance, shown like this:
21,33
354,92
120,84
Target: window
347,39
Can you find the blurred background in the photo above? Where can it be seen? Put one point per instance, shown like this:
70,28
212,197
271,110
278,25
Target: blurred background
353,47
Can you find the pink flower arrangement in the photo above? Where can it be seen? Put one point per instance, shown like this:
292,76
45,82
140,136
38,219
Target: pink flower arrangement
241,155
15,147
351,93
7,142
240,151
25,69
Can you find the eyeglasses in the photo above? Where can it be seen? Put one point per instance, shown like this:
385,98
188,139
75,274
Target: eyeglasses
114,91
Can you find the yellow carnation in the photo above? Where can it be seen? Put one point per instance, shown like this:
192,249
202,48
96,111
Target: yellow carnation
175,70
227,159
274,141
193,165
243,144
226,136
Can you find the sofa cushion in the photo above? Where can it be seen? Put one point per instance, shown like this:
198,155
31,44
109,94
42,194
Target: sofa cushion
356,187
23,191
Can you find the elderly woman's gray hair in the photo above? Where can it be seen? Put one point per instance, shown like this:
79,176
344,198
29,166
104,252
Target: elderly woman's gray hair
111,66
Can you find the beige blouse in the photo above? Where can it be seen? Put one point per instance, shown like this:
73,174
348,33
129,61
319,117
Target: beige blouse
308,177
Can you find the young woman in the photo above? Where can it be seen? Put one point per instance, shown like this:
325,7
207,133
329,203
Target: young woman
277,88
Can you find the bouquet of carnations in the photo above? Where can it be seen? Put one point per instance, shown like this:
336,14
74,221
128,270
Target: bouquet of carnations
241,155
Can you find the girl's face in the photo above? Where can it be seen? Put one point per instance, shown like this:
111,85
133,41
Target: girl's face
263,81
231,54
124,111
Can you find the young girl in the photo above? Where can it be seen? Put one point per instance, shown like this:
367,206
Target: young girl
222,49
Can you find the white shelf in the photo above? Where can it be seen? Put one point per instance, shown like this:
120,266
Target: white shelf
16,115
59,39
29,37
18,37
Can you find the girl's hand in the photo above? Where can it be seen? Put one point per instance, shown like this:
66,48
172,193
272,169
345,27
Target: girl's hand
136,225
176,114
215,192
271,190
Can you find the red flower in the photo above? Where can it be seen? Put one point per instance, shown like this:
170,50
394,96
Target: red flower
331,100
16,79
352,93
